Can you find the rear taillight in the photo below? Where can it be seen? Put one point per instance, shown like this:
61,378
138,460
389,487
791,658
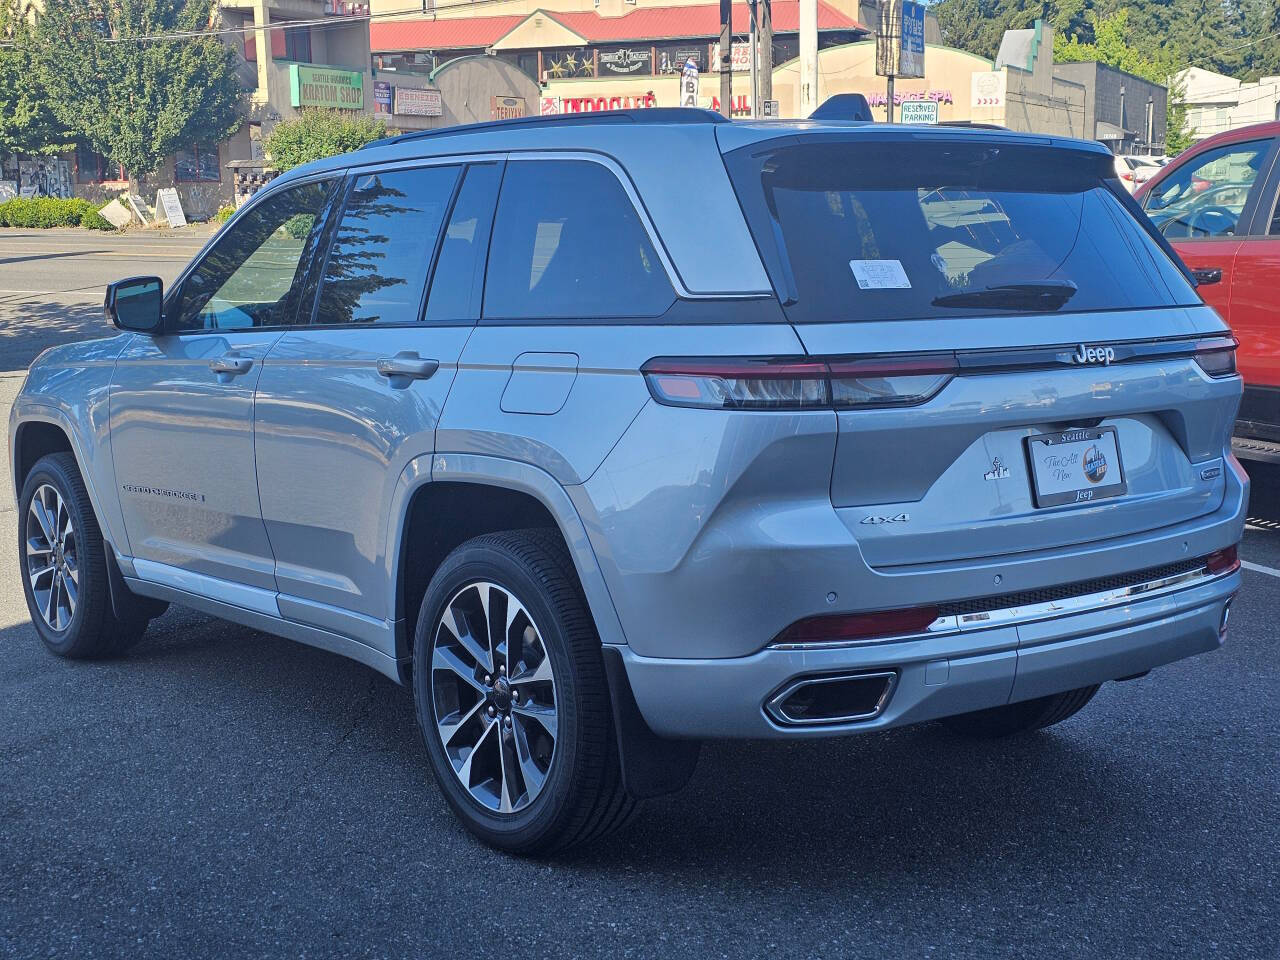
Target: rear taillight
1223,561
738,384
786,384
1127,176
889,381
848,627
1217,357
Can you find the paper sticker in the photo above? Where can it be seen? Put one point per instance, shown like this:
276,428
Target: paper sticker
880,274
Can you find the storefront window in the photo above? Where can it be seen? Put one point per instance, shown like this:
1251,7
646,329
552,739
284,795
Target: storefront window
93,167
297,44
197,164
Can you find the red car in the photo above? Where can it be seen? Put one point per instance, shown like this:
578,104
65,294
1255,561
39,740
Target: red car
1216,203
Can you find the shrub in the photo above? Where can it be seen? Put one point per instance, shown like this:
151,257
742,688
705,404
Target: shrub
43,212
224,214
319,133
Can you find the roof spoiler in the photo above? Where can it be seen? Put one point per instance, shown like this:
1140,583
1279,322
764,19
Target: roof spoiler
843,106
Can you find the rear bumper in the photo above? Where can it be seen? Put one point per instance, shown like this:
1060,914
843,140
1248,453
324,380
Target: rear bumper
936,676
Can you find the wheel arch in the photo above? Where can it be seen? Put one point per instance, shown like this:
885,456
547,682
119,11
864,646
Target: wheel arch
442,500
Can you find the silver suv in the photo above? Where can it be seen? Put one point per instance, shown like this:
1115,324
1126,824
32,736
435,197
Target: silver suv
609,434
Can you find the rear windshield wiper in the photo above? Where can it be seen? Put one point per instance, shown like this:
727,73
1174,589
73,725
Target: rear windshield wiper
1013,296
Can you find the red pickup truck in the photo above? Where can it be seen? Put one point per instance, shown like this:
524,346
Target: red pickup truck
1216,203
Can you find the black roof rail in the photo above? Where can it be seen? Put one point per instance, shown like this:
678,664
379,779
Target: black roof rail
643,115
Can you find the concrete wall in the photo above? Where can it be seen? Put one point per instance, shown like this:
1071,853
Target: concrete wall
1104,104
467,86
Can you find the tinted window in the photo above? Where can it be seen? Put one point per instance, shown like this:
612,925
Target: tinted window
568,243
458,281
884,231
382,248
249,278
1206,195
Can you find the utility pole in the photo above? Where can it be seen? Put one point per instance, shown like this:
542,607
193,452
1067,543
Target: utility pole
726,57
755,58
766,51
808,57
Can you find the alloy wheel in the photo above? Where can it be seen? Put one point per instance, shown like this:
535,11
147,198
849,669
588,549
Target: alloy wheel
53,563
494,697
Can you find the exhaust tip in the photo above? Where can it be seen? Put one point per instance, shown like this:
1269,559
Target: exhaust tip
832,698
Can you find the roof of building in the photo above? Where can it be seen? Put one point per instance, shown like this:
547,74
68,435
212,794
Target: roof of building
645,23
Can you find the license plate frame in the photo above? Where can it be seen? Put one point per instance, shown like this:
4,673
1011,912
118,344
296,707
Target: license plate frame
1087,444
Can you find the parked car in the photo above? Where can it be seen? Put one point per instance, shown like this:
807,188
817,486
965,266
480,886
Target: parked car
607,434
1216,203
1134,171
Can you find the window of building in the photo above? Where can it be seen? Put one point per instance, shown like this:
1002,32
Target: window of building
197,164
297,44
377,266
93,167
251,277
568,244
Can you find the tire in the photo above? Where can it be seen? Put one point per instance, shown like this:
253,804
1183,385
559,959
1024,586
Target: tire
1024,717
76,620
529,790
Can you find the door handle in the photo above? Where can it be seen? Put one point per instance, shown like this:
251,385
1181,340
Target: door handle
1207,274
230,365
406,366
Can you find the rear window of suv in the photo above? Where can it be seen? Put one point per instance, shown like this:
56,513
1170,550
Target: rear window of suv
879,230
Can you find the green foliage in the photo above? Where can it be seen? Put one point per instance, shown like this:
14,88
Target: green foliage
224,214
42,212
136,102
27,125
1151,38
320,133
299,225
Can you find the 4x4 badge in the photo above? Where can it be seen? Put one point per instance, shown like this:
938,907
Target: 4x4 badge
898,518
998,470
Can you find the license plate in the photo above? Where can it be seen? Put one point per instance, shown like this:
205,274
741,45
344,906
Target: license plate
1075,466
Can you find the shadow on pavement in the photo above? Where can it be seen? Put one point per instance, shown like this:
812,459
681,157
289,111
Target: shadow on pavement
29,327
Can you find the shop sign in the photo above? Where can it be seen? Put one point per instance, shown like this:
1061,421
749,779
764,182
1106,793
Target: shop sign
414,102
919,111
548,106
506,108
592,104
739,105
739,57
168,203
689,84
987,90
878,99
381,96
674,59
325,87
911,52
627,61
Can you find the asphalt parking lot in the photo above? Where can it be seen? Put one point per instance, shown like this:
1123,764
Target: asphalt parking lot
222,793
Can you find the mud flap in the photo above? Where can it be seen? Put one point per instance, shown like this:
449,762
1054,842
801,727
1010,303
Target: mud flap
652,766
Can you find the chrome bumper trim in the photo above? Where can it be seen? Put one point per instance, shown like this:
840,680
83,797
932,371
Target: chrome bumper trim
1028,612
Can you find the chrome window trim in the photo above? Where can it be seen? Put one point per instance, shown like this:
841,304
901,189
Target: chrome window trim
1028,612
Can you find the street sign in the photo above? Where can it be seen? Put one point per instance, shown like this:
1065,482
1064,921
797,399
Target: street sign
771,109
918,111
911,55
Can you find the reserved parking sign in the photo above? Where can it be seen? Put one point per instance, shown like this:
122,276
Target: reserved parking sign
918,111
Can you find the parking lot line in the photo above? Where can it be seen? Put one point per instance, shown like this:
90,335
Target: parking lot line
1259,568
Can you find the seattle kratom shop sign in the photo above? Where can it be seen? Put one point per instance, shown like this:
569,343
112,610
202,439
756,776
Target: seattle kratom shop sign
325,87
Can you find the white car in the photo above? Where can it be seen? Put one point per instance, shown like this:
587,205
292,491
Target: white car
1135,171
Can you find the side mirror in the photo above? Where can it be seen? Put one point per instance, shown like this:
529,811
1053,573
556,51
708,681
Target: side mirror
135,304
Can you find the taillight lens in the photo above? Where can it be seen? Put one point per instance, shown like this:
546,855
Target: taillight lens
1217,357
847,627
1223,561
738,384
890,381
783,384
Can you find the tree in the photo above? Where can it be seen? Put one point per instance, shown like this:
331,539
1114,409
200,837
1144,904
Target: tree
1113,46
27,125
320,133
137,101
